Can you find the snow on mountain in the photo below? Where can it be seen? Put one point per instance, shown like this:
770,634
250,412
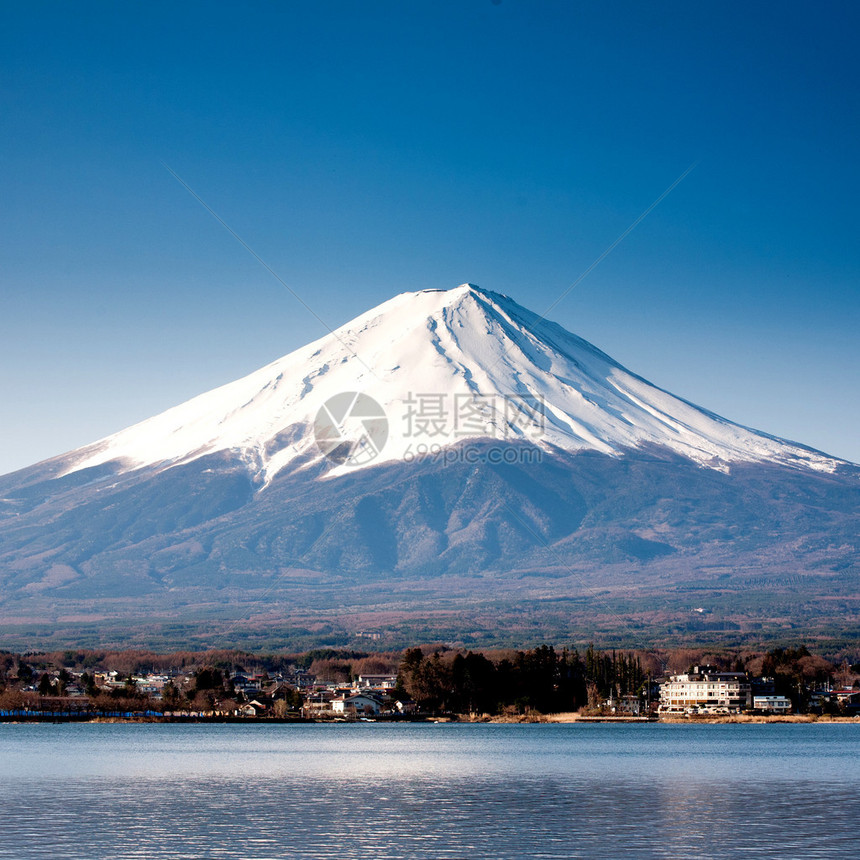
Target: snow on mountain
445,367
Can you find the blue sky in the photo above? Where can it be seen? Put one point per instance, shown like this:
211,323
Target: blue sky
363,149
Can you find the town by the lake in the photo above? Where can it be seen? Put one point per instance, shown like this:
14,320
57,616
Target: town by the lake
543,684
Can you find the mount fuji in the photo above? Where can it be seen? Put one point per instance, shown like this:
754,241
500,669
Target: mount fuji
447,465
471,365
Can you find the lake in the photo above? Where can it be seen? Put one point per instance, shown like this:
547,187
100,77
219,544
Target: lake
445,791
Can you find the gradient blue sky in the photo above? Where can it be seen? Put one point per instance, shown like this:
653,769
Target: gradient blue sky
366,148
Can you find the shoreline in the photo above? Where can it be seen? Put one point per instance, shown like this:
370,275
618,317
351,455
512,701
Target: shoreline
668,719
705,719
509,719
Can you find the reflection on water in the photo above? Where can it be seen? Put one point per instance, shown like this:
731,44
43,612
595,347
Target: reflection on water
424,791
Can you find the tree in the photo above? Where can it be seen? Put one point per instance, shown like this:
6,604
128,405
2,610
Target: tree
208,679
424,679
88,682
473,684
62,682
46,685
294,699
594,697
171,696
12,700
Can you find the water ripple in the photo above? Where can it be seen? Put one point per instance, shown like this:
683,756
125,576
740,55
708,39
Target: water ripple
424,792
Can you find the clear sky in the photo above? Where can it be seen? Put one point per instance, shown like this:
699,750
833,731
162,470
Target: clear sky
367,148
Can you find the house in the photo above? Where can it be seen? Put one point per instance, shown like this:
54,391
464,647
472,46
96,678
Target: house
377,682
628,705
277,690
357,705
772,704
151,684
706,690
848,701
317,703
840,701
406,706
251,709
300,679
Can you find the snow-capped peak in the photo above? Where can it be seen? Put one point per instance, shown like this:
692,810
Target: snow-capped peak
427,371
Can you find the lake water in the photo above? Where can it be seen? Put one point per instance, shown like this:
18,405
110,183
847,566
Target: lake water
258,792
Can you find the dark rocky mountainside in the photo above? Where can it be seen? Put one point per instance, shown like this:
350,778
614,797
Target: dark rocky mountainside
636,544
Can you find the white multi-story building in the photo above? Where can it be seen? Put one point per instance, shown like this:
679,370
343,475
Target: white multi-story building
706,690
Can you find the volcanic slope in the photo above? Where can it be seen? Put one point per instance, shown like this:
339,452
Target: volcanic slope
447,463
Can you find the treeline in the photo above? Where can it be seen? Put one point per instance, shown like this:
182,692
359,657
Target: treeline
333,664
542,679
140,662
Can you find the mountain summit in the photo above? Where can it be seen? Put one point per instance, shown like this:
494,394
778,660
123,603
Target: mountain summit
449,466
444,368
